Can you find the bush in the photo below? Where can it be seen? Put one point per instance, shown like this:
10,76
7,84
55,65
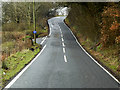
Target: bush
14,42
4,66
14,27
8,47
110,25
11,36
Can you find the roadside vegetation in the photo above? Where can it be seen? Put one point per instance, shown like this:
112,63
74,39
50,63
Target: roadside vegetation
97,28
16,62
18,48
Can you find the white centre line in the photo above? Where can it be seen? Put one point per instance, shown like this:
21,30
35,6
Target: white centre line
60,29
65,59
62,40
63,50
63,44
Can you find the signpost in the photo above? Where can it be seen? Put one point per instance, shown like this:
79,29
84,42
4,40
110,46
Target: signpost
34,22
34,32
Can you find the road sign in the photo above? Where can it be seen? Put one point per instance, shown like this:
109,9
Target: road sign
34,32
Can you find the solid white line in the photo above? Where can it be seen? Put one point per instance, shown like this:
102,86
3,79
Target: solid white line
93,58
65,59
63,50
62,39
63,44
13,81
43,40
50,32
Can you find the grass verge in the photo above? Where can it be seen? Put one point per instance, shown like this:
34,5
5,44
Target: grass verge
16,62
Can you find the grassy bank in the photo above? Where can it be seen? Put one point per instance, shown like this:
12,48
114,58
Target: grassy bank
108,56
15,62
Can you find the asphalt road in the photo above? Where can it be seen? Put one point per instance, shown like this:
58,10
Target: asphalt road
63,64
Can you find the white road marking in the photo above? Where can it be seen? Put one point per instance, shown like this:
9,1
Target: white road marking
43,40
63,50
60,28
63,44
62,39
13,81
93,58
61,32
65,59
50,32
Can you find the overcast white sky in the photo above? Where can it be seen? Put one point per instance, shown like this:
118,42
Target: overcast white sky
60,0
62,11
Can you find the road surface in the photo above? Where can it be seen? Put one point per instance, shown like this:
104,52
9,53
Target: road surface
62,63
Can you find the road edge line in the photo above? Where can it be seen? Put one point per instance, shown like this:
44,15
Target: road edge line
93,58
43,40
23,70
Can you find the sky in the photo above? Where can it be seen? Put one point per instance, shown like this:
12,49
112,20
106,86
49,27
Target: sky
62,11
60,0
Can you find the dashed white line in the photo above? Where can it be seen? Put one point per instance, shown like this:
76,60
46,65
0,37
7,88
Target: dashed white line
65,59
63,50
43,40
13,81
61,32
62,39
63,44
60,29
